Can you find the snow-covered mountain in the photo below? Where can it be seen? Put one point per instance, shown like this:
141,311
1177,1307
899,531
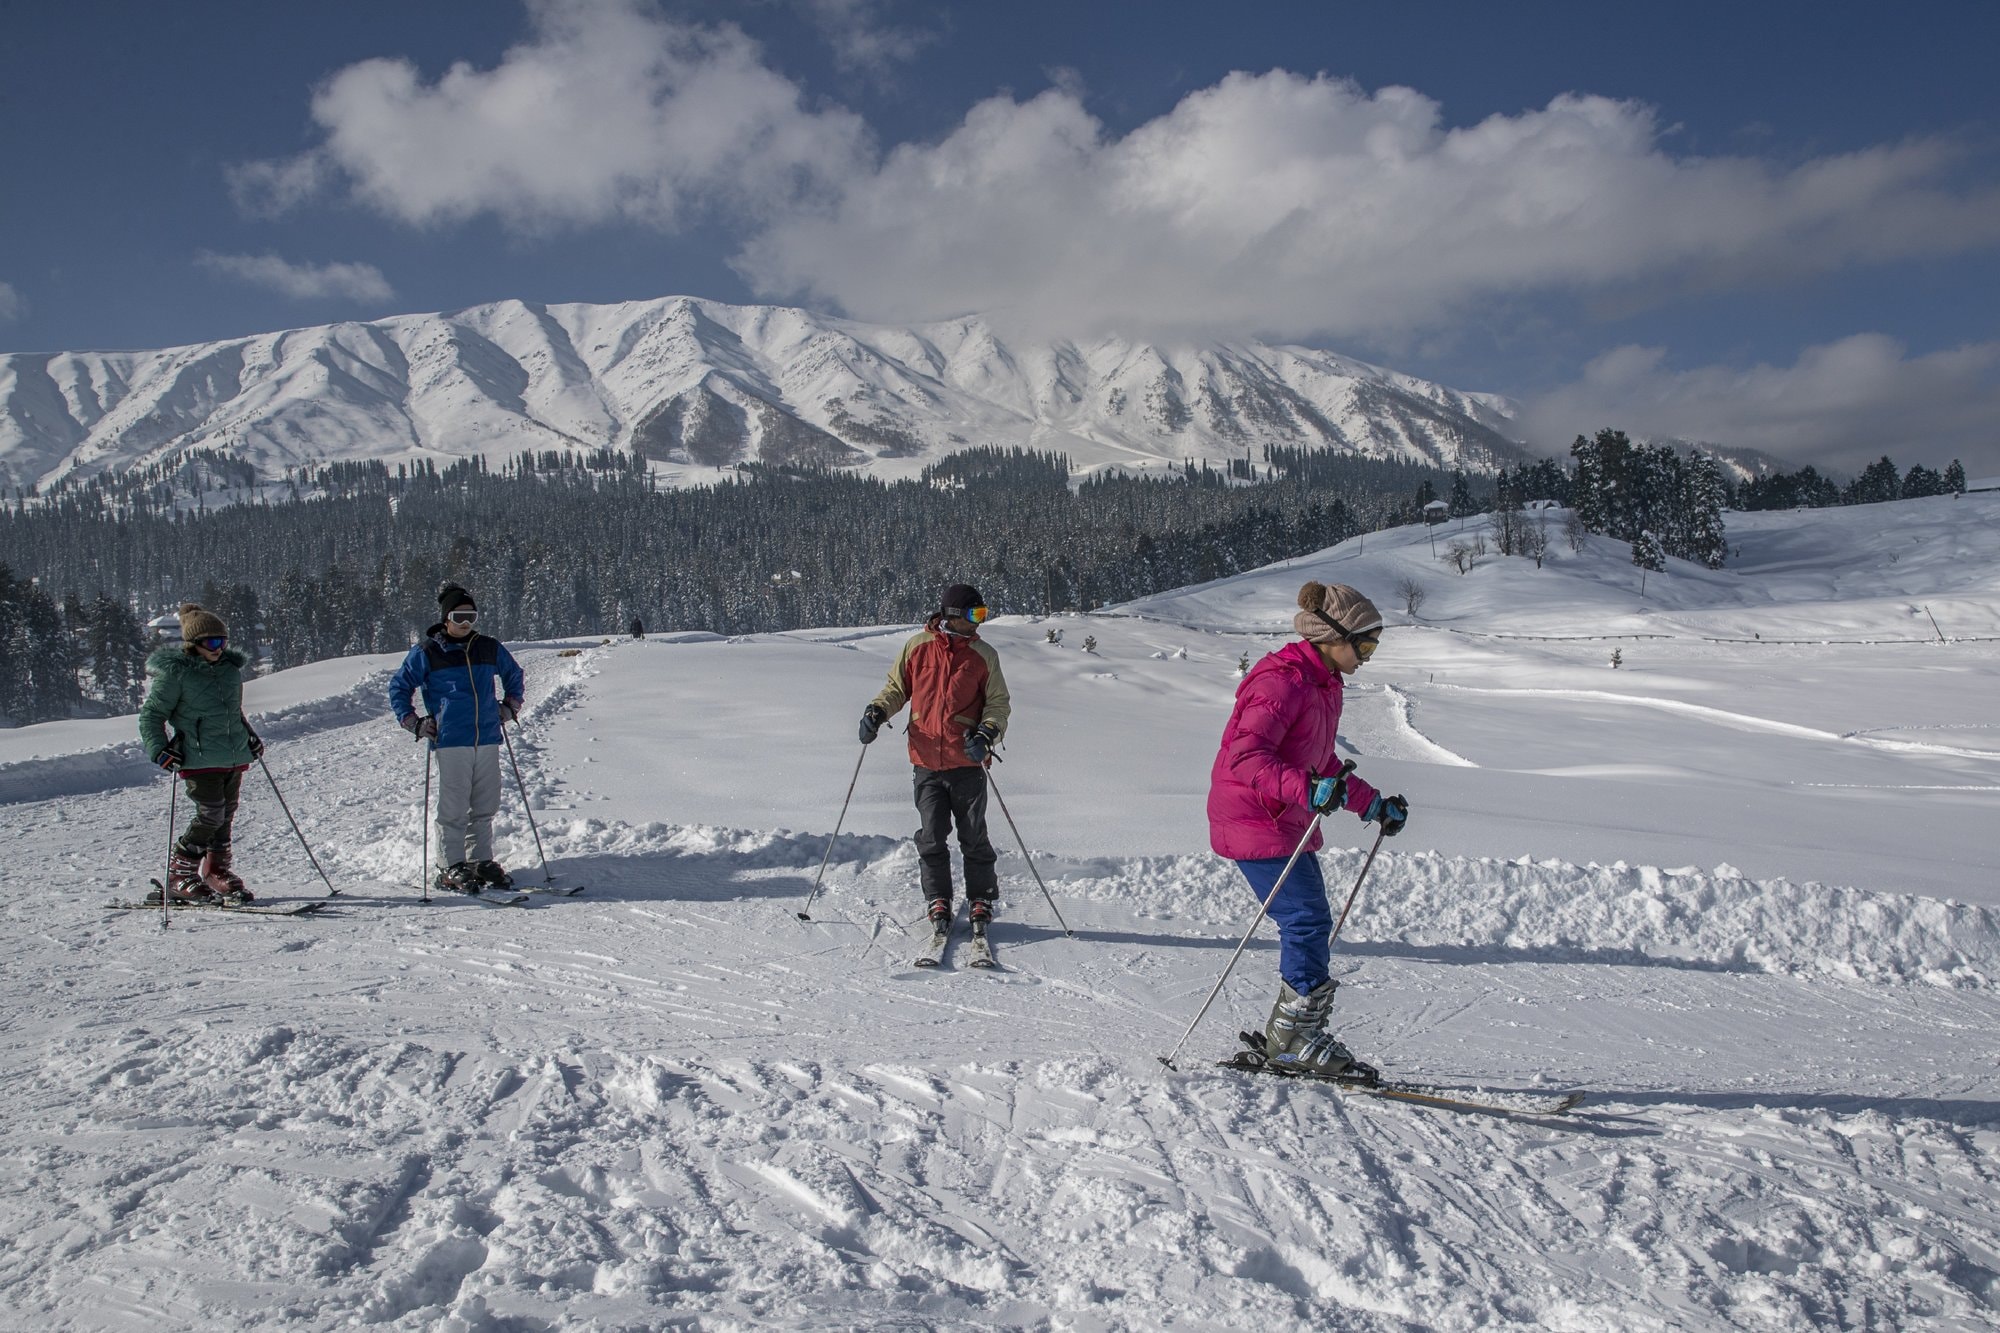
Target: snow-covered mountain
697,384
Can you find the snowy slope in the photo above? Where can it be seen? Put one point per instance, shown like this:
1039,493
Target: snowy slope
1743,892
699,384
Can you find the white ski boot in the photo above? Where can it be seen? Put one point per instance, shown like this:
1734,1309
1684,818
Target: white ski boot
1295,1038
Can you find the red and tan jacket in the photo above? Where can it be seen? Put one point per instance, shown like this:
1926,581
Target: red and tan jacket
952,684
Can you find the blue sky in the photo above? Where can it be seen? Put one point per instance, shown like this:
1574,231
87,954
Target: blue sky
1775,224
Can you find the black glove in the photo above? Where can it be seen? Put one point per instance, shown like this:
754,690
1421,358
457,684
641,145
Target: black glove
1326,794
872,718
256,746
170,758
979,743
420,727
1391,812
510,710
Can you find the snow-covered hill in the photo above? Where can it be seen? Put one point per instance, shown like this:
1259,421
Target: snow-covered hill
1743,889
697,384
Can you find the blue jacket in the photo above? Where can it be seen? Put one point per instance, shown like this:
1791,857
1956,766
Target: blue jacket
457,680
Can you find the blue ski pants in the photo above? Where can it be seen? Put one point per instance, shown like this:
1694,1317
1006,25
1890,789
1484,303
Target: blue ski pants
1304,917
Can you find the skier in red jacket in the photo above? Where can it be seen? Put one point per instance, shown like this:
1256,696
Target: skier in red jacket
951,679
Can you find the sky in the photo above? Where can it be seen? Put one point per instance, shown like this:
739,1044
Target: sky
1773,226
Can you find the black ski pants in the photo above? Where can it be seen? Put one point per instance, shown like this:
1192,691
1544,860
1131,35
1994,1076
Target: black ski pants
213,794
955,796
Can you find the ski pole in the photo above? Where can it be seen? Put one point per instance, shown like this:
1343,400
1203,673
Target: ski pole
1026,855
331,892
173,817
424,829
1255,921
548,877
806,911
1356,890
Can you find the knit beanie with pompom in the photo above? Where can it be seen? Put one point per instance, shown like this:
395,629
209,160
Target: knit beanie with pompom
198,622
1349,612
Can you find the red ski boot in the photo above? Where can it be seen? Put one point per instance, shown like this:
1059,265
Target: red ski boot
221,880
184,880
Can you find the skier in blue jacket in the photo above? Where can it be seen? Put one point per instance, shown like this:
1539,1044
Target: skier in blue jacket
456,669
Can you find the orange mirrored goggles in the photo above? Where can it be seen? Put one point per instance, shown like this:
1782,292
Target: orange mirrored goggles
979,615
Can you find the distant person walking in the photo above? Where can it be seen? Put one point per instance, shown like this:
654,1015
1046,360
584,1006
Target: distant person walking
950,678
192,725
470,685
1276,769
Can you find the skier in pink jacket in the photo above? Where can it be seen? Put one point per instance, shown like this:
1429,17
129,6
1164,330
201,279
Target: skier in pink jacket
1276,769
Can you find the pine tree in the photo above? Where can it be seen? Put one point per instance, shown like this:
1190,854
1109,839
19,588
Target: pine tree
1879,481
117,653
1461,502
1707,538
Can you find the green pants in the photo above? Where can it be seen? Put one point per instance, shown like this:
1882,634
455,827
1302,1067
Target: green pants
213,794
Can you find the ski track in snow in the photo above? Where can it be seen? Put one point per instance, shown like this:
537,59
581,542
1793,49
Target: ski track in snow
669,1104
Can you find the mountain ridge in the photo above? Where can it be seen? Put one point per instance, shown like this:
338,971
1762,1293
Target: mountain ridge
695,385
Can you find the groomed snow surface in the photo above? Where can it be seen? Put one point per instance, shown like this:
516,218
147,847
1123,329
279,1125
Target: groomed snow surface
1742,889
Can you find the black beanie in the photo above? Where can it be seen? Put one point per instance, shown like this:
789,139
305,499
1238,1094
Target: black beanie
451,597
960,598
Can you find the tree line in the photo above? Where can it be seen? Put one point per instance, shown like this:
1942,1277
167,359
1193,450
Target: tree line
347,558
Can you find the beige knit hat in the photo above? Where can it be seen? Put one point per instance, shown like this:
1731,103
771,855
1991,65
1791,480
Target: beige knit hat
198,622
1348,610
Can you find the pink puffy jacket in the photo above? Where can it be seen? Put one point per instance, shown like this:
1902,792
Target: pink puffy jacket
1287,714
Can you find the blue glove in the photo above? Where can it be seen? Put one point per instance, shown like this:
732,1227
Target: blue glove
979,743
872,719
170,757
1326,794
1392,812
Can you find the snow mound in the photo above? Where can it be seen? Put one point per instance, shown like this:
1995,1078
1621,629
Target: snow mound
1549,910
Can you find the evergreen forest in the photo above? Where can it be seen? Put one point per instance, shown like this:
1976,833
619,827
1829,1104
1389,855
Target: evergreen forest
346,558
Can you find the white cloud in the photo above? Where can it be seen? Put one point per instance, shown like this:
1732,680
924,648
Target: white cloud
861,39
270,189
608,112
1296,206
1843,403
1275,203
13,305
305,282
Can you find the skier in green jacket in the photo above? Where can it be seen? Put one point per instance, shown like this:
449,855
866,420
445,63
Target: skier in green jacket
192,725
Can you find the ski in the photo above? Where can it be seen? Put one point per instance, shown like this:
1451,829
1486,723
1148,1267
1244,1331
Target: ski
552,890
1251,1060
982,948
512,899
240,909
933,953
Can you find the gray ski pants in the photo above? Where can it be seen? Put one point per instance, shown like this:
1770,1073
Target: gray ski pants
468,798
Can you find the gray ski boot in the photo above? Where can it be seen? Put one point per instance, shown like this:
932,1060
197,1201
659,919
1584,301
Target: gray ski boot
1295,1038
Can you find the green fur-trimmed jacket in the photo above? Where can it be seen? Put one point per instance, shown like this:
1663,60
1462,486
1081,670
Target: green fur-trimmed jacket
202,702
